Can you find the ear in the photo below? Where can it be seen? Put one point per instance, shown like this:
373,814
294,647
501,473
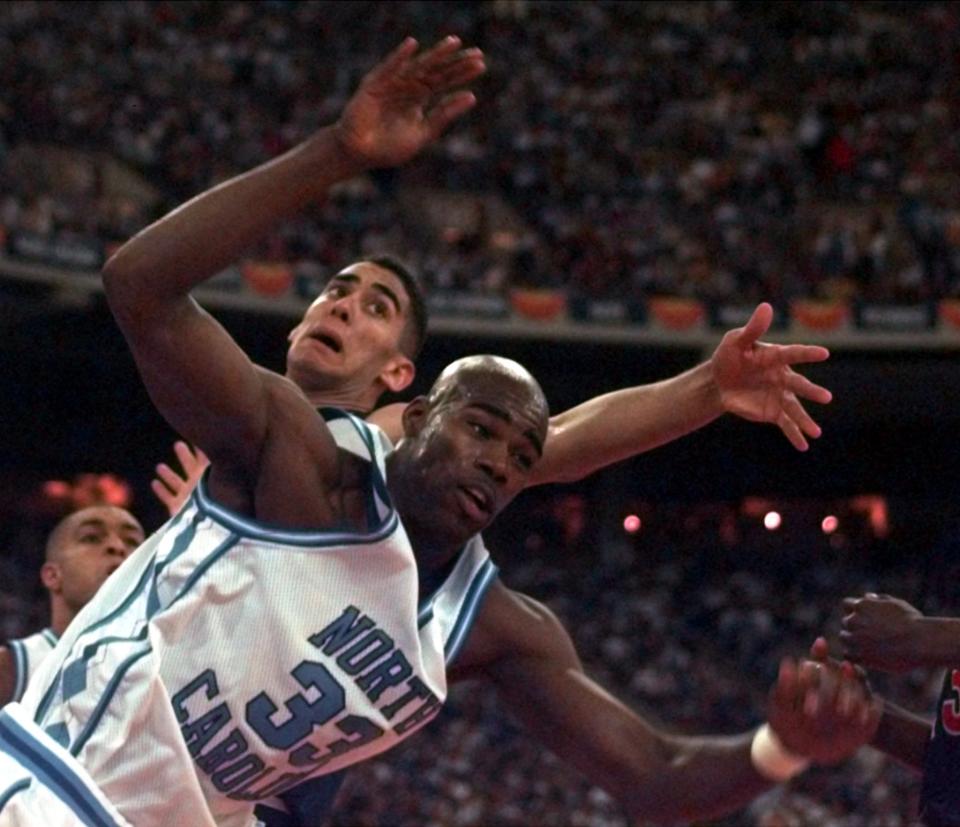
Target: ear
51,577
397,374
415,416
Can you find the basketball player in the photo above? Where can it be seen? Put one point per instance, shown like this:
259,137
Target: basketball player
886,633
351,631
82,551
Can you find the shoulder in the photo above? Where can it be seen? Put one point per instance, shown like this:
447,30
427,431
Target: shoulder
512,627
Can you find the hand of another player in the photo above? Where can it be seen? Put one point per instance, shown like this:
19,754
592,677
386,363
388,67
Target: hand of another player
756,379
172,489
822,711
407,101
882,632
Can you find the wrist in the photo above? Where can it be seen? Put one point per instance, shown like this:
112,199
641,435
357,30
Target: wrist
772,759
329,158
938,640
705,377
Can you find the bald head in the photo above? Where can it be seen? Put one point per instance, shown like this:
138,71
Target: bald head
466,377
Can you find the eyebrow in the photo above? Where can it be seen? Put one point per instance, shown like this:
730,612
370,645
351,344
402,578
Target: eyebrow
95,523
498,412
354,279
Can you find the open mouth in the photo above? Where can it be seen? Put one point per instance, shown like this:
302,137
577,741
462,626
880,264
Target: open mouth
476,502
326,339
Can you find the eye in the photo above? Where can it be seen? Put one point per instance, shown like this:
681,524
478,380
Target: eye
378,308
335,291
481,430
523,461
89,538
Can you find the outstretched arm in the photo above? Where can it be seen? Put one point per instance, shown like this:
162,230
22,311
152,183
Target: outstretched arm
199,379
524,651
744,376
883,632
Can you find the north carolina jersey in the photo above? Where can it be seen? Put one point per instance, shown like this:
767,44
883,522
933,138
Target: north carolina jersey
940,794
228,661
28,653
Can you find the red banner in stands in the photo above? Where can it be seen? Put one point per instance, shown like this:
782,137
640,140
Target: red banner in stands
950,312
540,305
676,313
266,279
820,315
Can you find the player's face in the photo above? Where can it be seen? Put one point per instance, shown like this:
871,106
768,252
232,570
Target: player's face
352,332
97,541
474,455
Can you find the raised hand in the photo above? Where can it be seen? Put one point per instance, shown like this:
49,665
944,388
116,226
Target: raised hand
407,101
822,711
172,489
882,632
756,379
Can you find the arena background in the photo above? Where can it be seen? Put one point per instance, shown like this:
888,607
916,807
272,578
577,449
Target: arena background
635,178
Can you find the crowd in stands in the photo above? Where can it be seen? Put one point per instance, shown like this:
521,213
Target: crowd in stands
687,621
725,151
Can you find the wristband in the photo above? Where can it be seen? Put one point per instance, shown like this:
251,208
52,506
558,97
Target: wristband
772,759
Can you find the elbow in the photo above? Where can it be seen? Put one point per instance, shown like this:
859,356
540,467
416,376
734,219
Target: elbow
124,286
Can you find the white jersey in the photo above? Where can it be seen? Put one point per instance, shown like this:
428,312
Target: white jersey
28,653
227,661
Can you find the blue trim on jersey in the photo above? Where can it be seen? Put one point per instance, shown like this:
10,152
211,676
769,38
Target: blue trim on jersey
12,790
200,569
425,615
21,666
257,530
50,636
468,611
54,772
104,701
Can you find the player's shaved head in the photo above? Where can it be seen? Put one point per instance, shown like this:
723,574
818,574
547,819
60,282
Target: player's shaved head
461,378
95,517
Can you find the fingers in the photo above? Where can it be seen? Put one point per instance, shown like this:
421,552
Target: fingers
448,110
758,324
184,454
793,354
848,604
804,388
820,650
440,54
467,66
792,431
161,492
170,477
394,61
785,689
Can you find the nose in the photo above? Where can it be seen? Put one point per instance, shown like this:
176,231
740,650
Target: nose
341,308
116,547
493,461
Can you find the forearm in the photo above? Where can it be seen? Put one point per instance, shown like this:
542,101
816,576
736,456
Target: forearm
698,778
200,238
902,735
939,642
618,425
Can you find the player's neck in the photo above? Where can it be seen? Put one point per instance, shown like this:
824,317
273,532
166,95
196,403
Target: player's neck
61,616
